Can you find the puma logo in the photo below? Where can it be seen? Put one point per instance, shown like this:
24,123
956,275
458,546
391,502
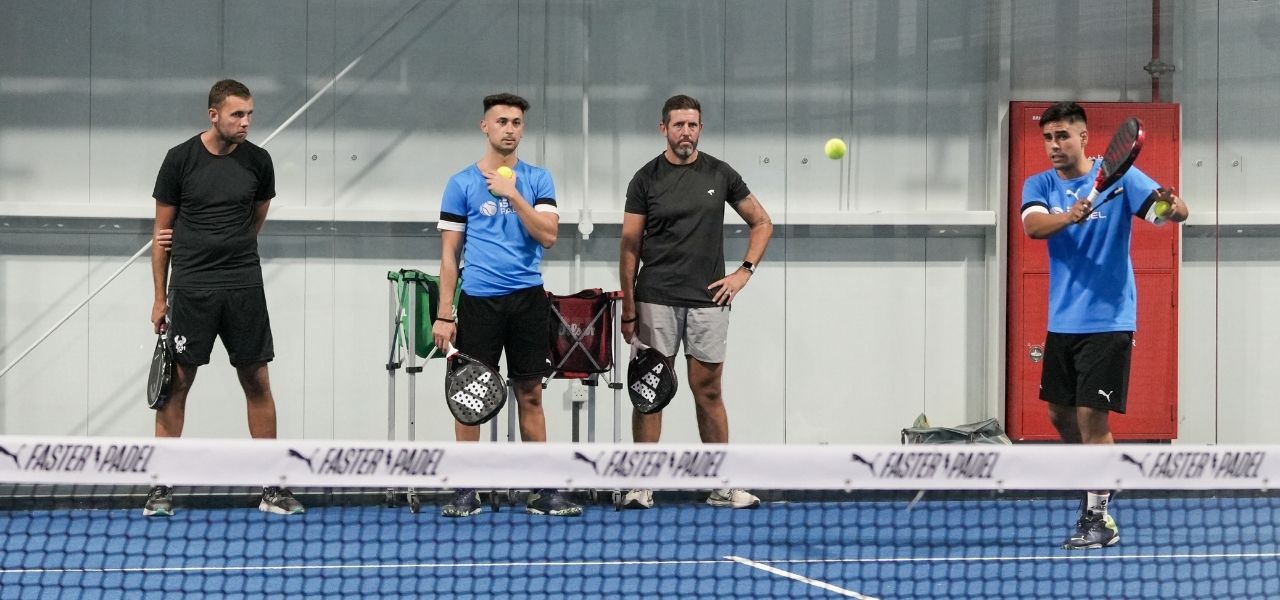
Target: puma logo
13,455
306,459
1129,459
859,459
586,459
1106,395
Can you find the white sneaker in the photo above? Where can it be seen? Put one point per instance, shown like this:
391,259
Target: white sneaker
734,498
638,499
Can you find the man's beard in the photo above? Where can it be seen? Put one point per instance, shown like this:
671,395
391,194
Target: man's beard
684,151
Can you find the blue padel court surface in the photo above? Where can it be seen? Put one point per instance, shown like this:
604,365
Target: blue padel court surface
1188,547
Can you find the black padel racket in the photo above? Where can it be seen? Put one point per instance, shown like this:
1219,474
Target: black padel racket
1124,148
651,382
160,379
473,390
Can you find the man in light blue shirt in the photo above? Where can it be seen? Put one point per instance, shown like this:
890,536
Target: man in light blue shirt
1093,301
498,215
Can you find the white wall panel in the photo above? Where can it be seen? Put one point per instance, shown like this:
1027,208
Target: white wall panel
854,338
45,63
44,279
1248,85
119,340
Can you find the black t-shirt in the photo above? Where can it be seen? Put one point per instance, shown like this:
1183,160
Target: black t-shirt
215,244
682,250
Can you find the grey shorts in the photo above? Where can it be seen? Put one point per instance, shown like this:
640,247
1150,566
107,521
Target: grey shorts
704,331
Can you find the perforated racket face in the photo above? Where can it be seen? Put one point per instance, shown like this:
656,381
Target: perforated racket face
651,384
161,375
473,391
1124,148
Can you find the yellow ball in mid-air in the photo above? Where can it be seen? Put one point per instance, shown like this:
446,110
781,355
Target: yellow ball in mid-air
835,148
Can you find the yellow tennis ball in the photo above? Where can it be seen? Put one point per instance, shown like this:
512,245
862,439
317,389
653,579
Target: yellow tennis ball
505,172
835,148
1162,208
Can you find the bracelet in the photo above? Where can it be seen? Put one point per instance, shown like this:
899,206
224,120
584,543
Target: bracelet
444,319
631,320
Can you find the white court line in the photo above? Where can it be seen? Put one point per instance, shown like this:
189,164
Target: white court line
802,579
584,563
624,563
1090,556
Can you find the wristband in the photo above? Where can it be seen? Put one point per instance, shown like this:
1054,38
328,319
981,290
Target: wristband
444,319
631,320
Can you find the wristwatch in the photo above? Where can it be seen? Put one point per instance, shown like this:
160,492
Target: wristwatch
749,267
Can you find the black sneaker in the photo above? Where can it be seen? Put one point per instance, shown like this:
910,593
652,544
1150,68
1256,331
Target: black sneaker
550,502
465,503
159,502
1093,531
280,501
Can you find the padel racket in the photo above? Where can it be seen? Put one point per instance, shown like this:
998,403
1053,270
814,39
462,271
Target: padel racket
160,380
1124,148
473,390
651,382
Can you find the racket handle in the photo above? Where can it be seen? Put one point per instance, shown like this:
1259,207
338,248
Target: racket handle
1093,195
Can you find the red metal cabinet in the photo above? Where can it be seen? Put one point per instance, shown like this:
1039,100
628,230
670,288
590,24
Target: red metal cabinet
1153,387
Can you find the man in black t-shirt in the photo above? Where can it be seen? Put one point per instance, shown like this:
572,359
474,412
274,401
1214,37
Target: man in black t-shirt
212,194
673,233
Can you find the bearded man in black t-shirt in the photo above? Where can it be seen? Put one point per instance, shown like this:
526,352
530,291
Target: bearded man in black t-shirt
674,288
212,195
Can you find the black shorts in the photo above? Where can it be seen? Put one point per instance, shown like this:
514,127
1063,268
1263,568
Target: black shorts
238,315
1087,369
516,322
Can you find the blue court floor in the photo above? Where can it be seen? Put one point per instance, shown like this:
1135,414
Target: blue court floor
1186,547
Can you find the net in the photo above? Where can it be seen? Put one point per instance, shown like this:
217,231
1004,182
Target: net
835,521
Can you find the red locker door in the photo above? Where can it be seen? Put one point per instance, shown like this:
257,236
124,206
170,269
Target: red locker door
1153,389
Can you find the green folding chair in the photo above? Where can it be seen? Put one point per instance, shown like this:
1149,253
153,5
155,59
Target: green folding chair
413,306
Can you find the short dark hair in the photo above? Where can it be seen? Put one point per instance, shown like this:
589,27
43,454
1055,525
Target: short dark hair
227,87
1064,112
506,100
679,102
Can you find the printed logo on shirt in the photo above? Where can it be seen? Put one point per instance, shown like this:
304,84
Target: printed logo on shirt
489,208
1092,216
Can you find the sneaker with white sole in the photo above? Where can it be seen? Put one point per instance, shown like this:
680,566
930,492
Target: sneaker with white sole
1092,532
280,501
732,498
159,502
638,499
551,502
465,503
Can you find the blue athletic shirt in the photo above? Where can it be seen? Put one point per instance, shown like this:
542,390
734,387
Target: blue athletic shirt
499,255
1091,286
